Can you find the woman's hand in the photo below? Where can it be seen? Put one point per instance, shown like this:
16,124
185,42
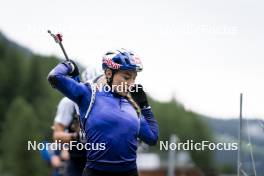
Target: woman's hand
139,95
65,68
74,71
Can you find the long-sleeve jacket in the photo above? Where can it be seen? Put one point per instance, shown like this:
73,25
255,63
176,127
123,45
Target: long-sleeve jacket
113,125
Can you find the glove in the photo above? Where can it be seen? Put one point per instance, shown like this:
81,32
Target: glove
65,68
139,95
74,71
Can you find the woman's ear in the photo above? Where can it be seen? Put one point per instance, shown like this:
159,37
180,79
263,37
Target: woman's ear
108,73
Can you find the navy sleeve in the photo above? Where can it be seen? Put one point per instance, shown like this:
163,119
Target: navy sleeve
69,87
149,130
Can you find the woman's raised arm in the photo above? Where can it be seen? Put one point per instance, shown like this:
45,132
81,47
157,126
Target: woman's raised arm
59,79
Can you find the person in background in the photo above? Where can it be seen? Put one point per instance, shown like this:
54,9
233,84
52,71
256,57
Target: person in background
55,159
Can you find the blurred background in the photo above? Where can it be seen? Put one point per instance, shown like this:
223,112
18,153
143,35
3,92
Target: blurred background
197,58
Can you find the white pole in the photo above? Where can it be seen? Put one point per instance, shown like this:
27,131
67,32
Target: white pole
239,164
172,156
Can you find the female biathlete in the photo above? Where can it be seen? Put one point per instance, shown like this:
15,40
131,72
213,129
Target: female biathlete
118,117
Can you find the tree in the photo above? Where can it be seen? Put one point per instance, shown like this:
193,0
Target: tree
11,77
173,118
20,127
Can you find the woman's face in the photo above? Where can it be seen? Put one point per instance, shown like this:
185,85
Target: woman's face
123,80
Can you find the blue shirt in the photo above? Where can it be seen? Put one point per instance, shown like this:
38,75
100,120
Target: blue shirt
112,121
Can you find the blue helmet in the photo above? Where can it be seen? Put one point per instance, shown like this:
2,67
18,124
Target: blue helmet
121,59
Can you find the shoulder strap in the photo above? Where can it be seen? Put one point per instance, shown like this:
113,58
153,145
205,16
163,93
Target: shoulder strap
93,88
93,85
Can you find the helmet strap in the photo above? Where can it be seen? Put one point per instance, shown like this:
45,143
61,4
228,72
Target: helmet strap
110,80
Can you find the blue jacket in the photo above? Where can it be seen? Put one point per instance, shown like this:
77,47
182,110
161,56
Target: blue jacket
112,121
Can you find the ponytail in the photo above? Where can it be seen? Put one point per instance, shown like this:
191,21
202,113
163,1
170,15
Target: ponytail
134,104
103,81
